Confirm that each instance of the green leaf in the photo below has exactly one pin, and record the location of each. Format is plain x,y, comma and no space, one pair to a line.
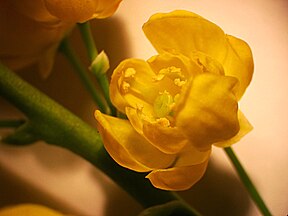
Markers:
22,136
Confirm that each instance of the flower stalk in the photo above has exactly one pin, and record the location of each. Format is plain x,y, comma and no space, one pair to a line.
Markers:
92,53
88,40
69,53
247,182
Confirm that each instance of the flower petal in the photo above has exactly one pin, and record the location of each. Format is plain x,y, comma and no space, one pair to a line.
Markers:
46,61
74,11
34,40
209,113
245,127
191,156
81,11
177,178
187,67
169,140
106,8
239,63
187,33
35,10
127,147
135,119
132,85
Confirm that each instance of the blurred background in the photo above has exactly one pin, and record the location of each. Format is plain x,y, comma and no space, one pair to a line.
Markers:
48,175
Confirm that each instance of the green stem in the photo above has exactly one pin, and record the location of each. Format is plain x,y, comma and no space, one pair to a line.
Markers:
88,40
56,125
92,52
67,50
247,182
11,123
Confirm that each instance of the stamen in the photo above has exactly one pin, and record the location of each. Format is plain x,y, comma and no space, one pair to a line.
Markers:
129,73
125,87
179,82
163,122
158,77
170,70
139,107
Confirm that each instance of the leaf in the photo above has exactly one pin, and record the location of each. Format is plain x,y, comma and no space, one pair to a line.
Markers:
22,136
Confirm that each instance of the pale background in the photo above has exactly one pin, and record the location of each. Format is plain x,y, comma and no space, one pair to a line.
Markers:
55,177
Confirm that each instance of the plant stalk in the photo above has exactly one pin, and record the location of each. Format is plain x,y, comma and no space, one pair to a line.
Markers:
247,182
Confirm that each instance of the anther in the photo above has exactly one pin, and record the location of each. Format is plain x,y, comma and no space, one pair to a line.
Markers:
129,72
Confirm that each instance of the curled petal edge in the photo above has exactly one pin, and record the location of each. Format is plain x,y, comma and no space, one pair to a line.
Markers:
177,178
245,128
169,140
127,147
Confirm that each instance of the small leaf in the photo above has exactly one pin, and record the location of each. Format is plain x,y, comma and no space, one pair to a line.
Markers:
22,136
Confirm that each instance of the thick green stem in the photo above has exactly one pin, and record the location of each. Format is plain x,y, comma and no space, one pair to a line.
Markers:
56,125
247,182
67,50
92,52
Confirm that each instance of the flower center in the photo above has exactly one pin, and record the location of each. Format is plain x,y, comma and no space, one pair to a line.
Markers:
170,79
163,104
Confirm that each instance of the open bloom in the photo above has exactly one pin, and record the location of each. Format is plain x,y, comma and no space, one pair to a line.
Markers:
31,30
180,102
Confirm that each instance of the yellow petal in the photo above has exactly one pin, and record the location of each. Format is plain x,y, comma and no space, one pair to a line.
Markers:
209,113
135,119
167,139
28,210
187,68
35,10
177,178
187,33
46,61
245,127
106,8
75,10
239,63
127,147
33,41
208,64
132,85
191,156
81,11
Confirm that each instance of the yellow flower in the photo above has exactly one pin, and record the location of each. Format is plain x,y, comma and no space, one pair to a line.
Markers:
180,102
31,30
28,210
